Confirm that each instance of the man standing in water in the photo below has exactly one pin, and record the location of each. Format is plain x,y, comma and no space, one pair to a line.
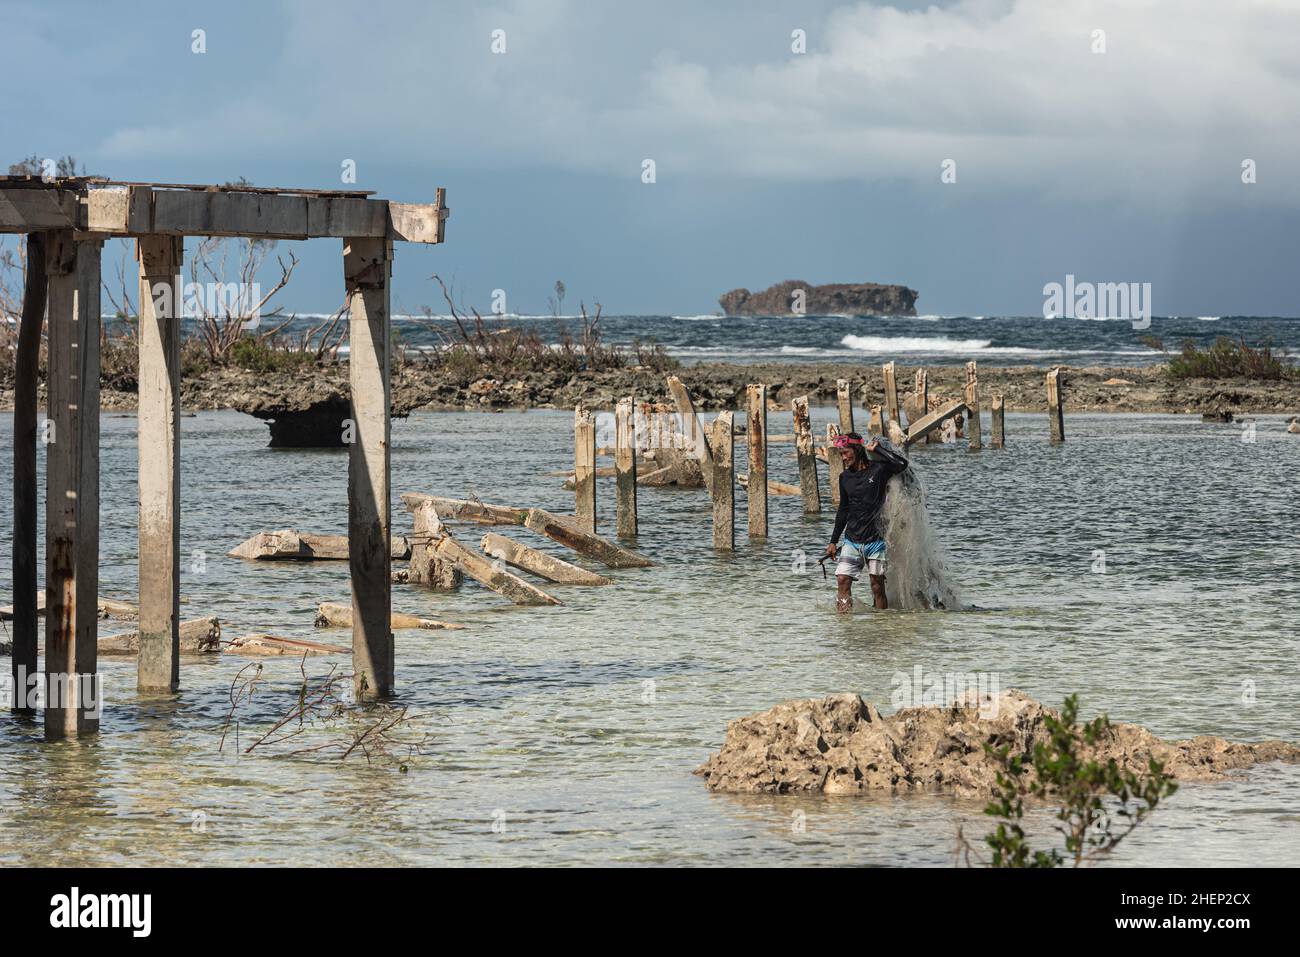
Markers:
862,497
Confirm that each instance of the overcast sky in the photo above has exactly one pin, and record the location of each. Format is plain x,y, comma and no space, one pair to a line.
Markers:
1123,165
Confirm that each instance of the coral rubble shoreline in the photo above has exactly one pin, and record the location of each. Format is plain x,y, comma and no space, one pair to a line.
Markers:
714,386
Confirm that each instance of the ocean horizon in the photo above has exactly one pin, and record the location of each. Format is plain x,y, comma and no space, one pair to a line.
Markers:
931,339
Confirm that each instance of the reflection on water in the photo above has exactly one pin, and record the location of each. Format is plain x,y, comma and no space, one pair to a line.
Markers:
575,729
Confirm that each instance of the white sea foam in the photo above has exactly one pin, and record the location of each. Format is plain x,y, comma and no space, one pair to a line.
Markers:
885,345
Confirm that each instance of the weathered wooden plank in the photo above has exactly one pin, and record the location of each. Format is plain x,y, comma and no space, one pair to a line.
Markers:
153,209
106,608
932,421
110,211
32,210
72,488
876,424
999,430
261,645
773,487
491,573
625,515
461,510
584,467
342,217
367,269
418,222
192,213
539,563
335,615
756,441
288,544
158,461
568,533
26,362
812,502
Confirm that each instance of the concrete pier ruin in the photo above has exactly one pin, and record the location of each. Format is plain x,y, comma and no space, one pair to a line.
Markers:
66,221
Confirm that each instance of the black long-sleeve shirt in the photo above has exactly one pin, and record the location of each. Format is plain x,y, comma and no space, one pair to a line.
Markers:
862,496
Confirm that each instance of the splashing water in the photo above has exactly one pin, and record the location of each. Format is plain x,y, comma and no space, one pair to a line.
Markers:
918,576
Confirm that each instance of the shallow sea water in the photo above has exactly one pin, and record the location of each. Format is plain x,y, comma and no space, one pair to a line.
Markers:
568,735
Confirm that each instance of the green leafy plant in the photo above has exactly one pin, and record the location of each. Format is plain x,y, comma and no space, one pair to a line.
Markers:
1226,359
1099,804
255,354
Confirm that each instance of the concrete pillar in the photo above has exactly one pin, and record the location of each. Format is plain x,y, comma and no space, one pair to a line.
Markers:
367,269
923,395
584,468
999,428
1055,413
23,663
891,391
625,468
807,455
756,433
973,405
834,464
723,487
159,434
844,399
72,488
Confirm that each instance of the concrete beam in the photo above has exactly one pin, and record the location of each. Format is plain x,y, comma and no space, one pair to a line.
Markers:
144,210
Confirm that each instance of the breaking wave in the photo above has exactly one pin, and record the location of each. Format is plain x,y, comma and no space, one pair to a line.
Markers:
891,345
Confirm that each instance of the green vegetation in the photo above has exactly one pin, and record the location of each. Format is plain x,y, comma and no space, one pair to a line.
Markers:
1100,804
1225,359
255,354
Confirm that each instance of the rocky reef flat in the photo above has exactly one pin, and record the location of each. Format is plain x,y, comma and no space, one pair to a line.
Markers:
313,402
722,385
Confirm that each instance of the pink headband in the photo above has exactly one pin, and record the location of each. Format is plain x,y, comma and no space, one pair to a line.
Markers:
843,442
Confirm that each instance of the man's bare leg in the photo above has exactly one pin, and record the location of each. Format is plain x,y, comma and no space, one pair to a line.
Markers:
878,591
844,596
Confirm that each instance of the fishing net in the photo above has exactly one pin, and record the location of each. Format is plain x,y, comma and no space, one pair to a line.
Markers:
917,574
